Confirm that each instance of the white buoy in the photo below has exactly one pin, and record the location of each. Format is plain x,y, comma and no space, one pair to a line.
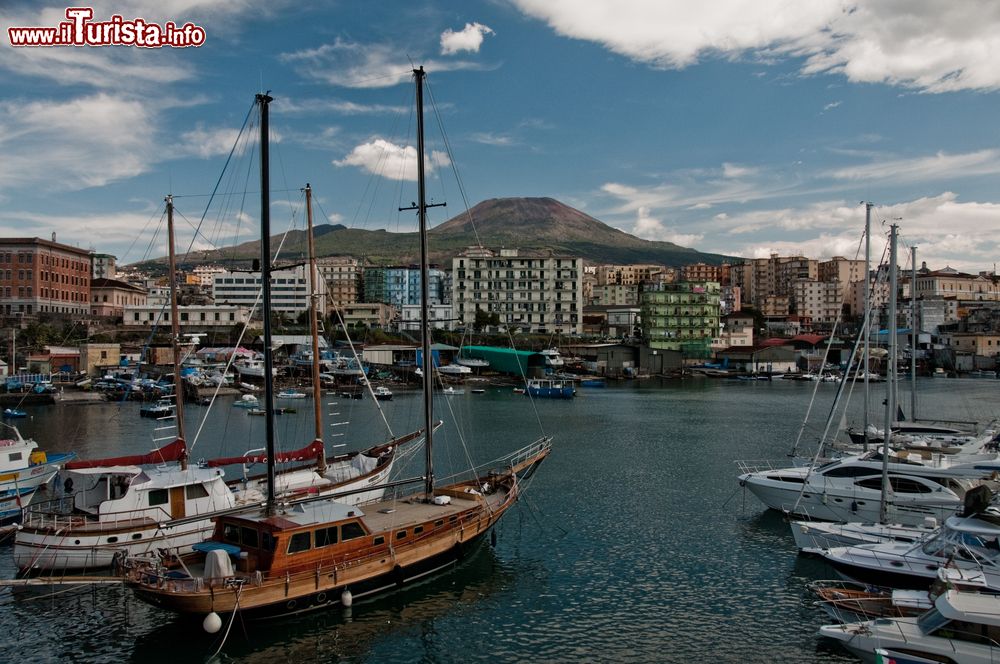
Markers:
212,623
346,598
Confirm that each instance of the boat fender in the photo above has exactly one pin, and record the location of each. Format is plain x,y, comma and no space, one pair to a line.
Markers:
854,506
823,499
743,482
212,623
346,598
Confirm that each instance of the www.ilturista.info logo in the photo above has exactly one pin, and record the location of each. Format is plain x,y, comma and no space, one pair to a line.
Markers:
80,30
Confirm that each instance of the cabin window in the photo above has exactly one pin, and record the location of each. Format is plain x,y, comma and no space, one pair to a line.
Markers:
249,537
231,533
194,491
299,542
158,497
452,519
351,530
847,471
16,456
378,540
267,542
418,530
439,522
326,536
401,534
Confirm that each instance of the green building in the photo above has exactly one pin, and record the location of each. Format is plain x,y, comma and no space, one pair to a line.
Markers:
373,285
681,316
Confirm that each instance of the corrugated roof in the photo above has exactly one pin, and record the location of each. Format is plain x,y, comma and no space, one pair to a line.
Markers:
505,360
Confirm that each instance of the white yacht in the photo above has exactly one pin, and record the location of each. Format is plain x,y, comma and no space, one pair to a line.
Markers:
962,627
552,358
850,489
813,535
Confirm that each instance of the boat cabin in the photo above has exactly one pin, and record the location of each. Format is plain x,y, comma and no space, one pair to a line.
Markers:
964,616
19,454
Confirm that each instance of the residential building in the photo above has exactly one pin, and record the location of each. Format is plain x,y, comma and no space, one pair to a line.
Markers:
818,300
402,285
95,358
440,315
368,314
534,293
344,279
952,283
631,274
373,284
682,316
701,272
624,322
842,270
205,274
290,290
109,297
614,294
193,317
763,278
103,266
43,276
730,299
987,345
878,294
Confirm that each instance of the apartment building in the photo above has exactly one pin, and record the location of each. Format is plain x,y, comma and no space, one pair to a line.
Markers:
762,278
103,266
682,316
631,275
535,293
817,300
43,276
614,294
290,290
344,279
194,317
701,272
204,275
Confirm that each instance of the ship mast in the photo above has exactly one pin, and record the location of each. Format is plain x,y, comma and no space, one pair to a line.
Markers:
425,326
314,329
175,332
890,377
265,281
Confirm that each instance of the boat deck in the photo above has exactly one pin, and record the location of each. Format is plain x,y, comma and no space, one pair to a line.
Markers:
386,515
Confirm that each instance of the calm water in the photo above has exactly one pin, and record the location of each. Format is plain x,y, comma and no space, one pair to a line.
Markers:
633,542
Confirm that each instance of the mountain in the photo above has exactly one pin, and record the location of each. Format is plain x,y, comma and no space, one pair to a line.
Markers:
531,225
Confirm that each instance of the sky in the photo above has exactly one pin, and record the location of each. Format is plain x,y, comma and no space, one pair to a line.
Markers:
737,127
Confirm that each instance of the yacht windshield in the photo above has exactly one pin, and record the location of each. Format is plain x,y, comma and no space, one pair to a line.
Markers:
931,621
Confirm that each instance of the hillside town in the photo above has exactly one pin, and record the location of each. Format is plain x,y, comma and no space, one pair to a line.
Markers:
776,314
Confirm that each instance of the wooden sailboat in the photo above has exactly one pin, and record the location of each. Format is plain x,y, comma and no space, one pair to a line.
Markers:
287,559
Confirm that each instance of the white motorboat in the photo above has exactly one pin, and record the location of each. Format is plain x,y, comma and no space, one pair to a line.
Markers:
23,470
962,627
552,358
813,535
850,489
454,370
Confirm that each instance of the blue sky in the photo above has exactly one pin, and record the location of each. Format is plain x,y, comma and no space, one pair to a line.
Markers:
733,126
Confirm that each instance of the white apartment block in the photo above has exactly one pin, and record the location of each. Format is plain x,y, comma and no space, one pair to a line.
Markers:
819,300
613,295
205,274
290,290
538,294
440,315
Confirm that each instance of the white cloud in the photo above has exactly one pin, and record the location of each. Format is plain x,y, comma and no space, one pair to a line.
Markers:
469,39
391,161
832,105
940,165
489,138
207,143
921,44
78,143
736,171
338,106
353,65
651,228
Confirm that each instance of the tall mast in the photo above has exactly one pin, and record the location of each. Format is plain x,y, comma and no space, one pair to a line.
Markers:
265,281
867,318
890,401
913,333
175,330
425,326
314,329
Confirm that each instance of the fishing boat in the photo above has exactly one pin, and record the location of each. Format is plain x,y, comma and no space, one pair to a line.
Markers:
23,470
383,393
159,408
283,560
247,401
137,505
552,358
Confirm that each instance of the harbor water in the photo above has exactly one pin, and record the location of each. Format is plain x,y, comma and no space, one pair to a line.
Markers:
633,542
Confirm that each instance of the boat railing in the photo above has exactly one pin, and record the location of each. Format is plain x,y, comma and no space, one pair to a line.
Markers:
746,466
529,452
59,513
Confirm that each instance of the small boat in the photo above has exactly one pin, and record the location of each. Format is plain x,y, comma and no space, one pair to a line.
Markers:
849,601
454,370
11,413
247,401
593,382
519,390
291,394
382,393
162,408
451,391
472,362
277,411
552,357
478,390
256,411
548,388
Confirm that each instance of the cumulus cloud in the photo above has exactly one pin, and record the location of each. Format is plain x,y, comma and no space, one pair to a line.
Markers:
919,44
736,171
650,228
470,38
391,161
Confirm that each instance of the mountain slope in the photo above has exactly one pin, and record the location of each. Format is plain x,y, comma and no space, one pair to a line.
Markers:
532,225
